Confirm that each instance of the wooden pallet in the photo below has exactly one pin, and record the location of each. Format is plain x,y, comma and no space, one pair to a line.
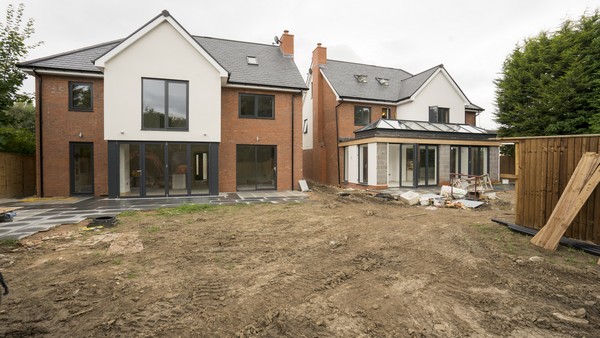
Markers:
584,180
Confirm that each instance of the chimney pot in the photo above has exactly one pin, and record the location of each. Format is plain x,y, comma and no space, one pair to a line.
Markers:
286,31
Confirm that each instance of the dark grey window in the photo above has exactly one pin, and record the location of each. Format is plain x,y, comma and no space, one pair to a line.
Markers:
257,106
362,115
164,104
439,114
80,96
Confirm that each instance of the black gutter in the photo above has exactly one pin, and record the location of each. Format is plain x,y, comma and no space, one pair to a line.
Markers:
337,142
41,147
368,99
265,85
293,96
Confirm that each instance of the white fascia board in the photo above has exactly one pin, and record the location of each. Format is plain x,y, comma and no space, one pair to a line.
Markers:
382,103
448,77
33,71
101,62
273,89
337,97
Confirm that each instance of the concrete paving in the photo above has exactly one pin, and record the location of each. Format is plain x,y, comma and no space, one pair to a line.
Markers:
42,215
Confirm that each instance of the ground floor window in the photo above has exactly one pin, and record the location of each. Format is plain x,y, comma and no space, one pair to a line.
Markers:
256,167
470,160
153,169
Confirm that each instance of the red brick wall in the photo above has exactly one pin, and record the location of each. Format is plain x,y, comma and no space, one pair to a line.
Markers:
346,128
61,126
235,130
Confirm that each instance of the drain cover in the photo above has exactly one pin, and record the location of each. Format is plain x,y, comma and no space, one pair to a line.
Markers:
106,221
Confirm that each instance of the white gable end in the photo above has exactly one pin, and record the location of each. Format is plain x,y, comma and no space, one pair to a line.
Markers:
439,91
160,53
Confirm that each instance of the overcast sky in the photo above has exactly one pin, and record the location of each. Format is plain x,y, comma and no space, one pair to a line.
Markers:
471,38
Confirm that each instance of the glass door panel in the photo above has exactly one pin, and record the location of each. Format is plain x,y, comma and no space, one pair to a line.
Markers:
130,172
265,167
82,168
199,163
246,168
408,162
394,165
154,164
256,167
178,169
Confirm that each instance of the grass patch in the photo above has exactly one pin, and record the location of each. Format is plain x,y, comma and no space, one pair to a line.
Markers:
9,243
153,229
185,209
128,213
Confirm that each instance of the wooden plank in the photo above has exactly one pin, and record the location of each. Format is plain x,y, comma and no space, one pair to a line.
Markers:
563,204
519,183
585,178
555,177
579,221
584,194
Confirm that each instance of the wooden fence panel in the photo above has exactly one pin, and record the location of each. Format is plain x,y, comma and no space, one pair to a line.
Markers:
545,166
17,175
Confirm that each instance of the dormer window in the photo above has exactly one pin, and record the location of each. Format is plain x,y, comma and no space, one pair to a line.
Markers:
382,81
361,78
252,60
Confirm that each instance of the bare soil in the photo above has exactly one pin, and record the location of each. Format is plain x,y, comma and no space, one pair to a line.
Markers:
343,266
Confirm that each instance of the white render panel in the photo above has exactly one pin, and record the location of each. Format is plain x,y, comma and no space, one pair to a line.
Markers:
307,115
441,92
353,164
162,53
372,164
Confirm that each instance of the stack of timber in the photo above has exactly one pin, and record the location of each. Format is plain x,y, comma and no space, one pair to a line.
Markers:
584,180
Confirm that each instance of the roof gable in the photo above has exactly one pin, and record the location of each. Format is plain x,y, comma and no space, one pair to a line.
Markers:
147,28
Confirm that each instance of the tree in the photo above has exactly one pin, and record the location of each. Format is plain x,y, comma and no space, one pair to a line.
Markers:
17,129
13,48
550,85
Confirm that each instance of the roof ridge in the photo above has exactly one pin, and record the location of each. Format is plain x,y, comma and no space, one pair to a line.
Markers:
365,64
24,63
231,40
441,65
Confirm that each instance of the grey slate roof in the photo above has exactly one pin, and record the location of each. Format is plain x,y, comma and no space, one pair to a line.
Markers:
402,85
79,60
341,76
274,69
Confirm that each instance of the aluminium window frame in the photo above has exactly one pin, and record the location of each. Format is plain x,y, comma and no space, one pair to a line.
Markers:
255,109
78,83
166,102
356,108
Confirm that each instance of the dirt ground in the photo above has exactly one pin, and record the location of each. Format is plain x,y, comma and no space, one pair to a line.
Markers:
333,266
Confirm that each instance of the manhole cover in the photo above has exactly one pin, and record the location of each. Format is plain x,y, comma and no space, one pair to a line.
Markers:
106,221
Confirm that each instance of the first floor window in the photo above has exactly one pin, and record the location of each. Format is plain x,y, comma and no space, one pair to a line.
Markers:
257,106
439,114
164,104
386,113
362,115
80,96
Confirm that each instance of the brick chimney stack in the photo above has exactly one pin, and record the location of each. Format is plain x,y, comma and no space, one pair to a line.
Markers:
286,43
